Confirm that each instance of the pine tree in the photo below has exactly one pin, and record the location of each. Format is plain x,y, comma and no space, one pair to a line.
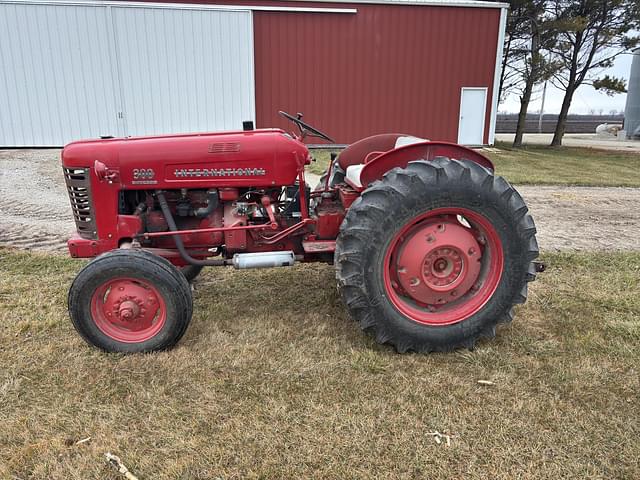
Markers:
591,34
536,65
515,48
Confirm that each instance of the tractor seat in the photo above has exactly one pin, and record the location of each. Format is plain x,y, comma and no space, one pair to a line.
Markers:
353,170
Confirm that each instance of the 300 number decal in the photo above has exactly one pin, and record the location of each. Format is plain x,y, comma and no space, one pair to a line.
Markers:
143,173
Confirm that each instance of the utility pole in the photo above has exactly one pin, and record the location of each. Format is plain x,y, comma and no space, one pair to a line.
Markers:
544,94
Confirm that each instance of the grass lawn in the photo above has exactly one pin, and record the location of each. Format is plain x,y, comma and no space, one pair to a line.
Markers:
271,382
538,164
322,158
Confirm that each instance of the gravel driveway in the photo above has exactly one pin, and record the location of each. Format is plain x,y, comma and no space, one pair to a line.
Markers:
35,212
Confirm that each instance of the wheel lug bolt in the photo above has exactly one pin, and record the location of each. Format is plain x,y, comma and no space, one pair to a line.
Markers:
414,282
454,293
472,251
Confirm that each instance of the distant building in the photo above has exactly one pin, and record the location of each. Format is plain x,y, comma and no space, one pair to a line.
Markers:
632,108
76,70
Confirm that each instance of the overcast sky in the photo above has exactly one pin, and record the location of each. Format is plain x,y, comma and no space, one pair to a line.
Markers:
585,100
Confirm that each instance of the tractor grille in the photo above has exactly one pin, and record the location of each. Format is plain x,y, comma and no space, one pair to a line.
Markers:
79,188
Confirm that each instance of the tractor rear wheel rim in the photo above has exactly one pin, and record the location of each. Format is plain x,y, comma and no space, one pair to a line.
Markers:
128,310
443,266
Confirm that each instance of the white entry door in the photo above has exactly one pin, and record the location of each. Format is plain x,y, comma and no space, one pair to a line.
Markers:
473,108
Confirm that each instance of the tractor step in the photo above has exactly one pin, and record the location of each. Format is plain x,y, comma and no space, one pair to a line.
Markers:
319,246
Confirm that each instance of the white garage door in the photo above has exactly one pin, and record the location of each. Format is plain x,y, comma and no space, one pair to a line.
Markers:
81,71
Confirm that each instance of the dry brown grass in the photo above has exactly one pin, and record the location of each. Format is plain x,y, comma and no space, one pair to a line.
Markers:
274,381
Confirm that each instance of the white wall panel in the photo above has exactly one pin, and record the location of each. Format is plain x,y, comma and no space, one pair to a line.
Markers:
73,71
56,80
185,70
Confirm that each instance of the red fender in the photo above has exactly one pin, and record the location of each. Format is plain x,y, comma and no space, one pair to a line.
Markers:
400,157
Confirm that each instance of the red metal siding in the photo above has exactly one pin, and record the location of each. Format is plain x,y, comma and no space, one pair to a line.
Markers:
384,69
387,68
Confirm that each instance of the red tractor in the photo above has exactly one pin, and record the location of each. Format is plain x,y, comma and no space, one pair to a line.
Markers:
431,249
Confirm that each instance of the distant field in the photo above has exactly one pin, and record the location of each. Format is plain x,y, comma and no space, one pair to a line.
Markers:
507,123
566,166
273,380
541,165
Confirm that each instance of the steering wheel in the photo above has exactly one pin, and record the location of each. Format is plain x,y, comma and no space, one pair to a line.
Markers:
305,128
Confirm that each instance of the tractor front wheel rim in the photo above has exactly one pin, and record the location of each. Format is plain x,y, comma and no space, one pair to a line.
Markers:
443,266
128,310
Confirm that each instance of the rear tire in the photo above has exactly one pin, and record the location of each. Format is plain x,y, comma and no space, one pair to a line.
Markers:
190,272
130,301
416,276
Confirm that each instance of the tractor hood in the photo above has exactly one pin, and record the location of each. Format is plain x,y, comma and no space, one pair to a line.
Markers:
244,158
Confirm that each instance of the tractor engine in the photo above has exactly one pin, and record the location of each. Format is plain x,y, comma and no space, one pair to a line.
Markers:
199,211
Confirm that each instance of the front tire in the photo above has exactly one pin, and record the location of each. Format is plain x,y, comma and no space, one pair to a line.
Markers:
433,256
130,301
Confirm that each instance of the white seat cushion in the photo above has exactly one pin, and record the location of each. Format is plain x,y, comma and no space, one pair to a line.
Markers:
402,141
352,176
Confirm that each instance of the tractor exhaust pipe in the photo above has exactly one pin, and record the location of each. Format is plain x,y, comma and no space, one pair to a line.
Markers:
263,260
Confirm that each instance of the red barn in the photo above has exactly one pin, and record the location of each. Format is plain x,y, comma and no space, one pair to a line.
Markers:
426,67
